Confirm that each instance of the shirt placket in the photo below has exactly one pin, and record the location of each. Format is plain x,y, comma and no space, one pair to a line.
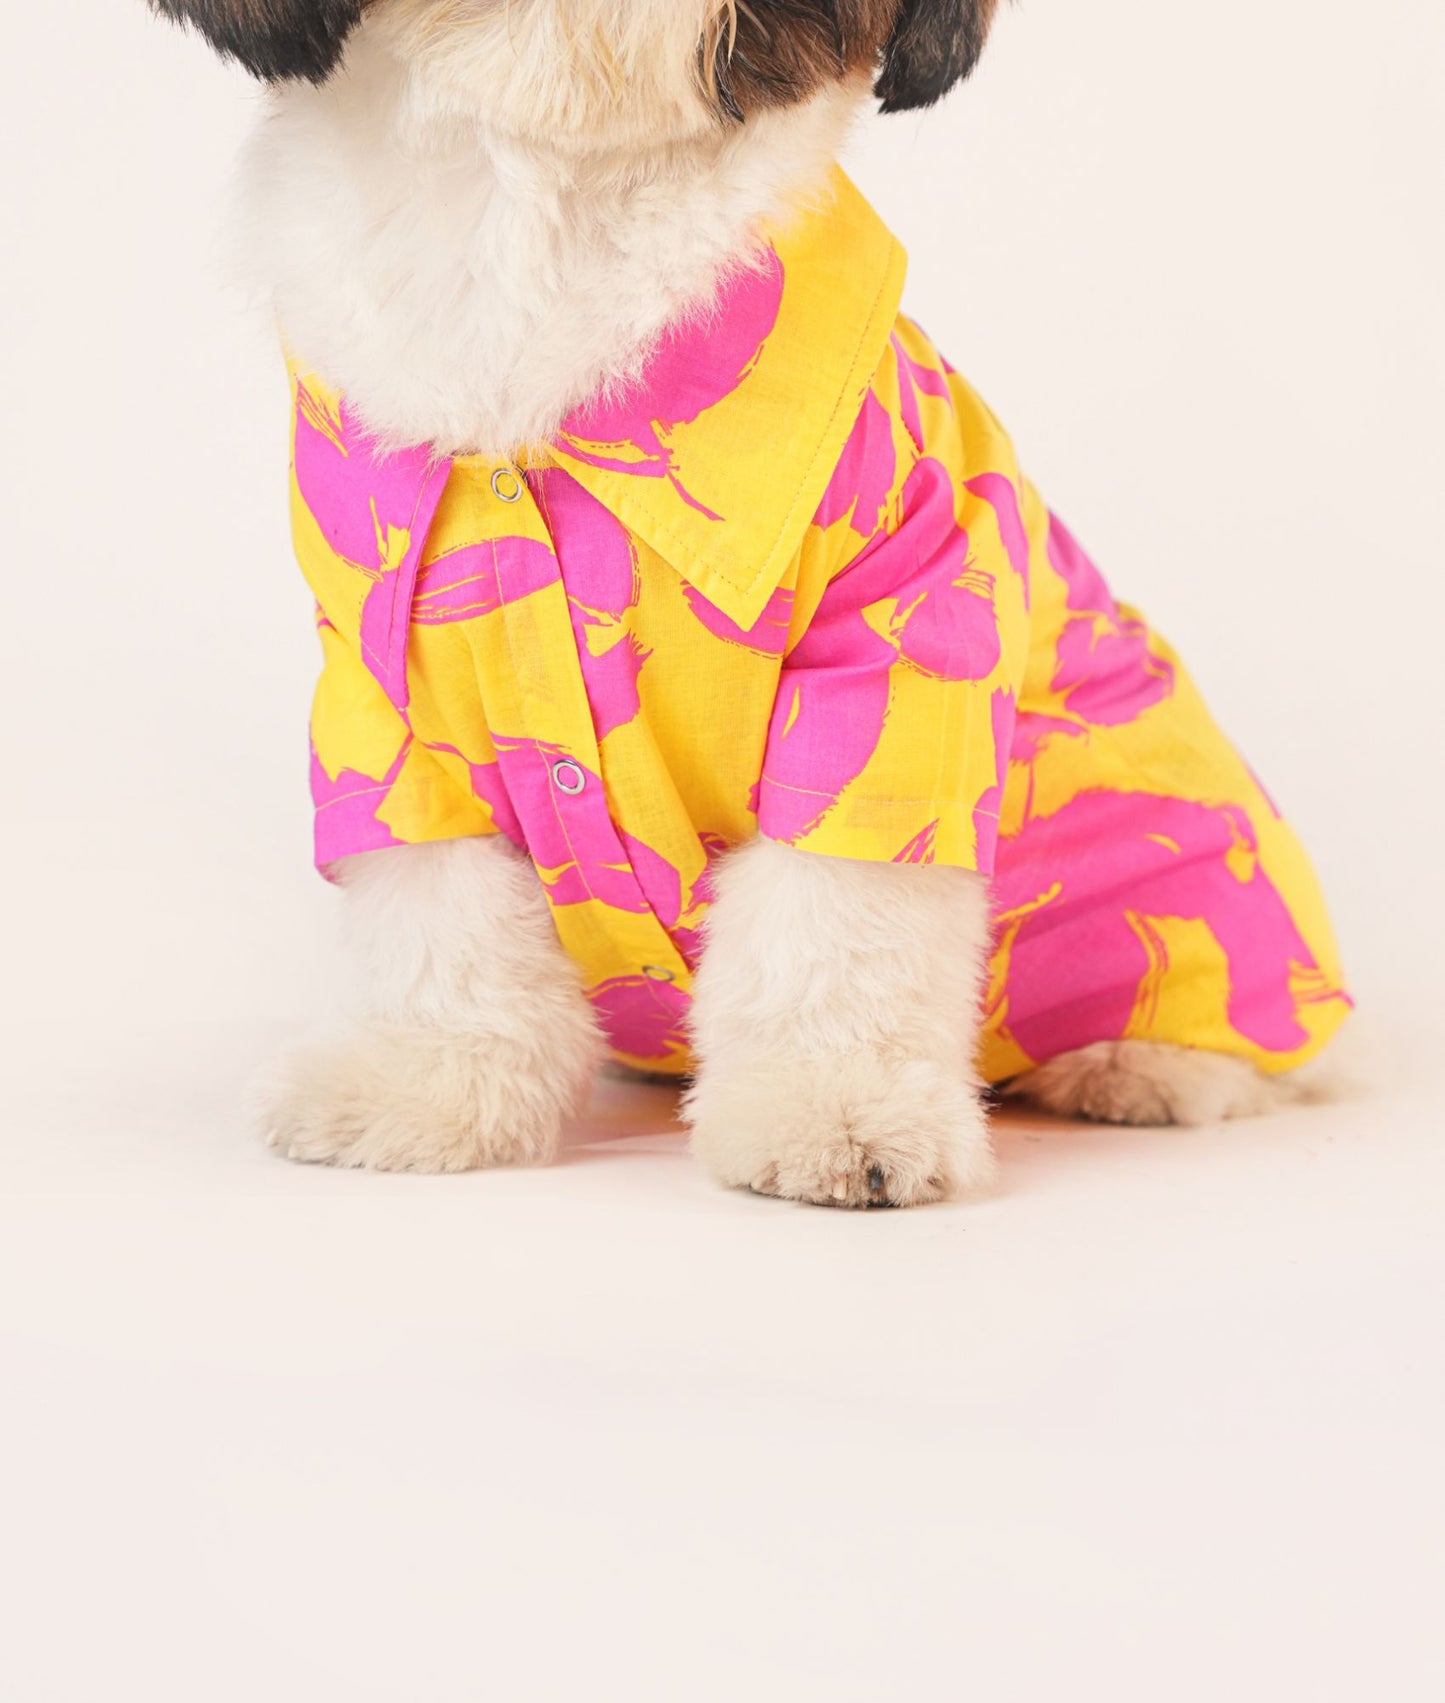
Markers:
536,702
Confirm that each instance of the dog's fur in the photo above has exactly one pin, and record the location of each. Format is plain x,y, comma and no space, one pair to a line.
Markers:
471,215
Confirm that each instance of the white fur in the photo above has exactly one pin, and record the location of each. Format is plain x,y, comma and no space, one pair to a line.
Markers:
475,1042
466,278
835,1020
486,218
1145,1082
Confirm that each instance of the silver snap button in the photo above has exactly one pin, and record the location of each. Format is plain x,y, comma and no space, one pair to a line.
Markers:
568,777
658,973
507,486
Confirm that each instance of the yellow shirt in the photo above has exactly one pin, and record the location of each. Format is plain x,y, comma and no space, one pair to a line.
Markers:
795,583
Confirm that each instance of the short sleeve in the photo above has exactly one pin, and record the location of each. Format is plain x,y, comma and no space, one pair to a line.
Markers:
896,704
360,522
373,783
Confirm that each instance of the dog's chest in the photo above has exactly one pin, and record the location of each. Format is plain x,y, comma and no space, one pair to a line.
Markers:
463,296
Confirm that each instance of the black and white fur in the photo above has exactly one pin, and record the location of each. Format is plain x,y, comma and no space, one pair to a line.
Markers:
470,216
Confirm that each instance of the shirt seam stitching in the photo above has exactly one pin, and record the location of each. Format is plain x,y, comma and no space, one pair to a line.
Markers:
880,798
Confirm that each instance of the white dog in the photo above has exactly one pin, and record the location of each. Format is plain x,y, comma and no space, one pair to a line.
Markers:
704,681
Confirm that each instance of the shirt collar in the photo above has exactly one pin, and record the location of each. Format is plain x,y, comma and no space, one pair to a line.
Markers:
720,454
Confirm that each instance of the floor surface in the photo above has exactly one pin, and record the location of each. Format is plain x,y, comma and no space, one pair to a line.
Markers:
1161,1418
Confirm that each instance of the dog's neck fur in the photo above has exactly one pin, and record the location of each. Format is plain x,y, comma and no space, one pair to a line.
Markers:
468,290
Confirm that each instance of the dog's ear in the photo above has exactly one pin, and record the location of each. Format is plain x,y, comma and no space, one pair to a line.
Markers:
274,39
934,44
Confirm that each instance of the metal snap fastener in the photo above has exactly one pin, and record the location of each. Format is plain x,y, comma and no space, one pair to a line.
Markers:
658,973
568,777
507,486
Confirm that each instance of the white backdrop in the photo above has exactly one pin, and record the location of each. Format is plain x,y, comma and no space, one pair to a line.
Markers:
1193,257
1159,1418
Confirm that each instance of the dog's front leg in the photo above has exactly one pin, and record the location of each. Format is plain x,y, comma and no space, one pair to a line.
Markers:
474,1042
835,1020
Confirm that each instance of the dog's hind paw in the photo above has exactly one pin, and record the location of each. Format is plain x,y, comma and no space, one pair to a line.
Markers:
1148,1083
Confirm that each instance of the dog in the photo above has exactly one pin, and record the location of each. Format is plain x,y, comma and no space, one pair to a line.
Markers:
705,685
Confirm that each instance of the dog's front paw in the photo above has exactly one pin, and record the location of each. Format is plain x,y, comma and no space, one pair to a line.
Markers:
859,1131
388,1098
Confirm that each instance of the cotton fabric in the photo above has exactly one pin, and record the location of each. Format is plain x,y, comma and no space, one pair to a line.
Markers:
794,582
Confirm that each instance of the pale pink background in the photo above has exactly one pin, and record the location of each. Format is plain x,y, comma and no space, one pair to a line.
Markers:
1161,1419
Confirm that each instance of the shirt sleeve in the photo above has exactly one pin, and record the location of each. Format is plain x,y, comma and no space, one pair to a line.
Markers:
381,775
373,783
896,705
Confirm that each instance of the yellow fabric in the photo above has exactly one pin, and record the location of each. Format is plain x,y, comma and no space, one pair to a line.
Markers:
818,597
756,463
